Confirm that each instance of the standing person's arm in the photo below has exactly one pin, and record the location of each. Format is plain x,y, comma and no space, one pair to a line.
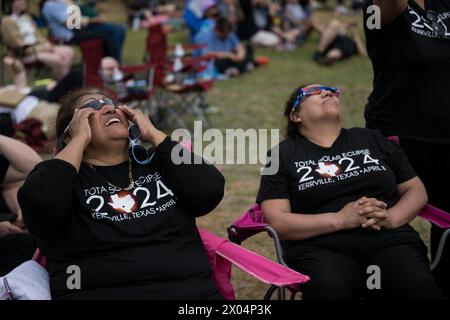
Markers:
21,158
390,9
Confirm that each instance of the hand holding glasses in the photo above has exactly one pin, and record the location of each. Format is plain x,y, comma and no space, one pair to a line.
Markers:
137,151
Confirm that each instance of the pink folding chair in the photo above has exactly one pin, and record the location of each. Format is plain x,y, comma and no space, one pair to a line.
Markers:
250,224
441,219
222,253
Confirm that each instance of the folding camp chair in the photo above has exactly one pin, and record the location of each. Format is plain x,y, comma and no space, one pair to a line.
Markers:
252,223
92,53
182,99
138,94
135,89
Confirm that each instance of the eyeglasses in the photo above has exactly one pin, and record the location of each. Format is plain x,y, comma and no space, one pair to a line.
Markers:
96,105
138,151
302,94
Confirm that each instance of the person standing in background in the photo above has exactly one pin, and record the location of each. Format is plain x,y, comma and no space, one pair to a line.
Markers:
410,55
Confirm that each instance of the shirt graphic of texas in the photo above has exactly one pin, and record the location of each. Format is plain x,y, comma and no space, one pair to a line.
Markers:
123,204
327,170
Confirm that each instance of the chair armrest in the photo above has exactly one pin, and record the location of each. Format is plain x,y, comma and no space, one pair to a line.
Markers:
256,265
436,216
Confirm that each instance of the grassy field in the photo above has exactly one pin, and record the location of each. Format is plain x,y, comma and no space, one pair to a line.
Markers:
256,100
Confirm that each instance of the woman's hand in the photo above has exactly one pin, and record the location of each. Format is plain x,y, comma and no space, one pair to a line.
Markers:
79,127
374,210
365,212
148,131
350,216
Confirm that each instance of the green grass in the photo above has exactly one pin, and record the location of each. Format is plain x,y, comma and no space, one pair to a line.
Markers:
256,100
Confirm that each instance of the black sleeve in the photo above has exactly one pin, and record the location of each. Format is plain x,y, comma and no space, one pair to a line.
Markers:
4,165
274,186
198,185
46,197
395,158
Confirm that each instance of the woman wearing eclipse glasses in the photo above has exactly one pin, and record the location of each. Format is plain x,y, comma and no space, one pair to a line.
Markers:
124,215
341,202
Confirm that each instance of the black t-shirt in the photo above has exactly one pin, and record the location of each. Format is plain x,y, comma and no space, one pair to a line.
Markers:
411,66
315,179
136,244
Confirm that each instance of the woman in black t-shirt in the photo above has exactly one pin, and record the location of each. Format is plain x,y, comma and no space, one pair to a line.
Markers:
114,220
410,54
341,201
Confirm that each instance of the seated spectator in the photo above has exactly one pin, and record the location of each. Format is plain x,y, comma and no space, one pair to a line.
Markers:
231,56
56,12
296,24
341,201
24,41
339,41
123,214
16,244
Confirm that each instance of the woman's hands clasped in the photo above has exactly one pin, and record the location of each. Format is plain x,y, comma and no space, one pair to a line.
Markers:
369,213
